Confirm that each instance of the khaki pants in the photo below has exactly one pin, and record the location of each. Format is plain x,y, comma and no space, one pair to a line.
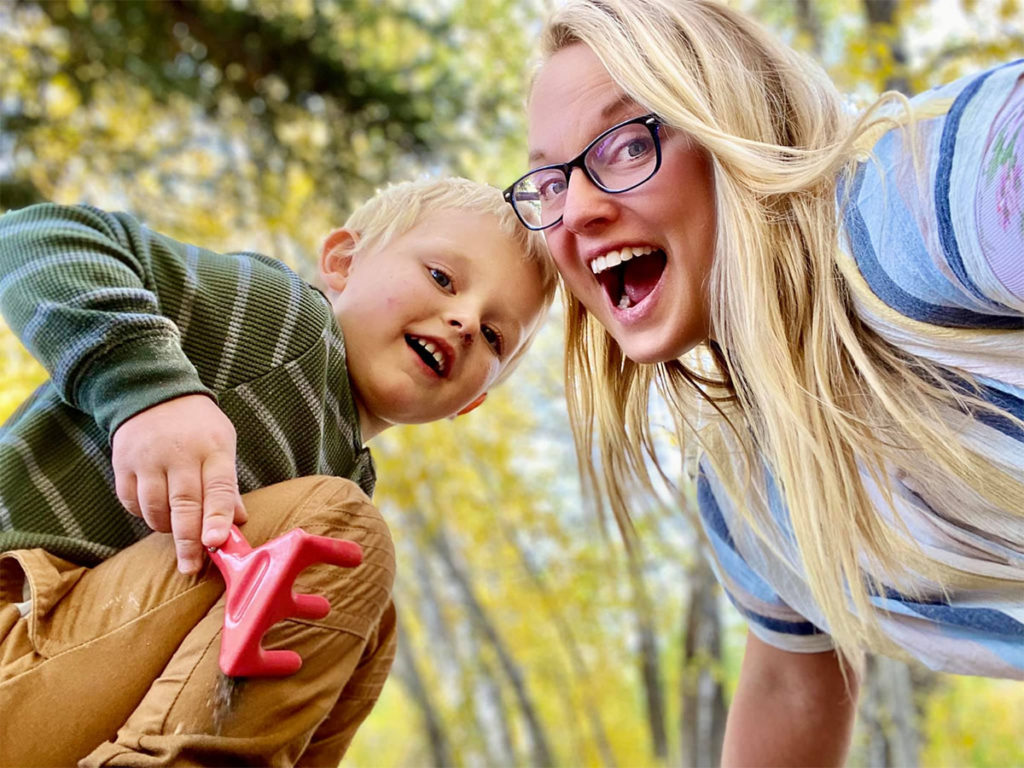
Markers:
117,664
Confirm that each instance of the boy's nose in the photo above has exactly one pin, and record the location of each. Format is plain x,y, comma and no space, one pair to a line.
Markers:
463,329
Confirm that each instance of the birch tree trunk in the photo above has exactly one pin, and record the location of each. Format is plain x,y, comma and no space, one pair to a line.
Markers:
489,708
703,699
541,752
883,26
571,645
810,24
887,714
409,674
650,666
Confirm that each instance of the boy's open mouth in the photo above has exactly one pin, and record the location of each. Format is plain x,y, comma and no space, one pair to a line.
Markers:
430,353
629,274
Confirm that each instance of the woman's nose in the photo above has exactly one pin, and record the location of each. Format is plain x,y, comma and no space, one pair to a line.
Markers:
586,204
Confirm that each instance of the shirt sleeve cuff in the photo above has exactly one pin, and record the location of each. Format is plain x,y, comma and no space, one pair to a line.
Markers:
818,642
129,378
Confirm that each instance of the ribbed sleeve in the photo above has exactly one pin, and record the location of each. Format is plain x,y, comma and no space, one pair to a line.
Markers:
83,299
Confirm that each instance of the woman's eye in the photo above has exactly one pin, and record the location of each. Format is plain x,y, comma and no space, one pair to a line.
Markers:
440,278
638,147
492,337
634,149
552,187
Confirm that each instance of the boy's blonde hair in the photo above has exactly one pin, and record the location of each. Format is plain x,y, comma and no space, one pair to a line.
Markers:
793,377
399,207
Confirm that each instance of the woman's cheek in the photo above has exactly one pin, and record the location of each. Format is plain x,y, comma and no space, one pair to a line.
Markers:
560,251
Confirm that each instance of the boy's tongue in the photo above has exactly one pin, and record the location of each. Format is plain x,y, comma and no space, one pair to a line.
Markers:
641,275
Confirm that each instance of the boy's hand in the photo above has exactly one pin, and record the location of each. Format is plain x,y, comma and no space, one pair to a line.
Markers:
174,466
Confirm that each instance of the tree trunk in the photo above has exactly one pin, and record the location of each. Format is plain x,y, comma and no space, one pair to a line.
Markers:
809,21
650,667
883,27
489,708
887,714
703,699
568,637
542,755
409,674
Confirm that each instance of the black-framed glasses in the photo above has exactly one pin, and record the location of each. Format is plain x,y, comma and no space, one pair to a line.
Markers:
620,159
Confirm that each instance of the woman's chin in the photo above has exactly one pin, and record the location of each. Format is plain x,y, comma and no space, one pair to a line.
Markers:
647,351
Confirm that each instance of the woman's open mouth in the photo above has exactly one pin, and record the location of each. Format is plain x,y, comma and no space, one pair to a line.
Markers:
629,274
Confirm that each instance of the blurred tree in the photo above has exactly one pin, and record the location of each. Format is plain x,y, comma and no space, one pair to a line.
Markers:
253,115
258,124
703,694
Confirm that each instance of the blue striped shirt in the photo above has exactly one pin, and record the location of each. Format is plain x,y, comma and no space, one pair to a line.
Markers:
939,273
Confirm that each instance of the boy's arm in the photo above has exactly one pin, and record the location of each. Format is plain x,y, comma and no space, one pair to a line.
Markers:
790,709
80,289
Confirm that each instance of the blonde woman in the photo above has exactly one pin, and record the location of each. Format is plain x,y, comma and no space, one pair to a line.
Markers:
833,309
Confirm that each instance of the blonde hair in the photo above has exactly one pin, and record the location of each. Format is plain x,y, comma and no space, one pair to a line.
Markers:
794,377
399,207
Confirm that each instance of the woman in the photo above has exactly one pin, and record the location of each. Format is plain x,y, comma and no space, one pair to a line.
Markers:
833,309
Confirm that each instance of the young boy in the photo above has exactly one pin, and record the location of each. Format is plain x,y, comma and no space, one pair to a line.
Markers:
193,390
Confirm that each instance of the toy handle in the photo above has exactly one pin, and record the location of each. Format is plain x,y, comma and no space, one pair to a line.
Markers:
258,594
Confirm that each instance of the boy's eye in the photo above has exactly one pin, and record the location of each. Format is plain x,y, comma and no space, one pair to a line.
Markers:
492,337
441,278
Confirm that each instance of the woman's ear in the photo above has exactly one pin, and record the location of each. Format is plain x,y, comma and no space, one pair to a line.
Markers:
336,258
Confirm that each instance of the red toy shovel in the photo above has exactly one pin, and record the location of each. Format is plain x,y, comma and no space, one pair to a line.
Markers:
259,594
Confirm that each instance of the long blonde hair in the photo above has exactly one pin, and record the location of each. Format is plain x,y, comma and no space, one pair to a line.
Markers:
794,377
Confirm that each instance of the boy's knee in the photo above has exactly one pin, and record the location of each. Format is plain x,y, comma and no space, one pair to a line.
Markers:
335,507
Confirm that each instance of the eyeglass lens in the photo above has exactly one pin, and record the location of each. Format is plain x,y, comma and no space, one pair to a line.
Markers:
619,160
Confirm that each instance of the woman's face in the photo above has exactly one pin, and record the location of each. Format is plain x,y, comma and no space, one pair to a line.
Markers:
655,302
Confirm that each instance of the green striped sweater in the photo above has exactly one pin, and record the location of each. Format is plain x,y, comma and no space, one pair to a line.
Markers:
123,318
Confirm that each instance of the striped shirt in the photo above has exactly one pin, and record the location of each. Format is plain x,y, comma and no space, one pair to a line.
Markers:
123,318
936,265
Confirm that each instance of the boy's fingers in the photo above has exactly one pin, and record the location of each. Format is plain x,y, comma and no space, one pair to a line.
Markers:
151,490
125,486
240,514
185,494
220,499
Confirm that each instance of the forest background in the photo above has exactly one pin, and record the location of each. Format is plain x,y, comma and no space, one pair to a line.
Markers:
528,638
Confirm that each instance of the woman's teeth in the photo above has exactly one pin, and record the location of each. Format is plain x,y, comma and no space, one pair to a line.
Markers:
630,274
614,258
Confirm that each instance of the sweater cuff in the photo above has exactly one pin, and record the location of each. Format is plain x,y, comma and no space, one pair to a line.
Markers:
131,377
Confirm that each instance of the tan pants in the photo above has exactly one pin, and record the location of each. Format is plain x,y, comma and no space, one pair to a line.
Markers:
117,664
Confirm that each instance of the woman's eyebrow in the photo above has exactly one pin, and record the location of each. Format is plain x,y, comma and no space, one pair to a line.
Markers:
614,108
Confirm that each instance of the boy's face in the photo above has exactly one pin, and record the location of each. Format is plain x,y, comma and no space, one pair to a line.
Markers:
431,318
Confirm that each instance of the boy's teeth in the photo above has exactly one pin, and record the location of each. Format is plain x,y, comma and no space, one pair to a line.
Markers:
624,302
434,351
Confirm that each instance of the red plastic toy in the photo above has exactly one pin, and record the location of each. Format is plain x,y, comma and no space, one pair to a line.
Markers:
259,594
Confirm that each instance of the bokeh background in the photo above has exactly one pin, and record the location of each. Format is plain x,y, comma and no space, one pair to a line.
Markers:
528,637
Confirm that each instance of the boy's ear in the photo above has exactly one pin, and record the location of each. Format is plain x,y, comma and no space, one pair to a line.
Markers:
336,258
476,403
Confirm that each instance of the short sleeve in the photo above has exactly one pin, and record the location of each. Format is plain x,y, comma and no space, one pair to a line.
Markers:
999,201
909,211
769,616
977,190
